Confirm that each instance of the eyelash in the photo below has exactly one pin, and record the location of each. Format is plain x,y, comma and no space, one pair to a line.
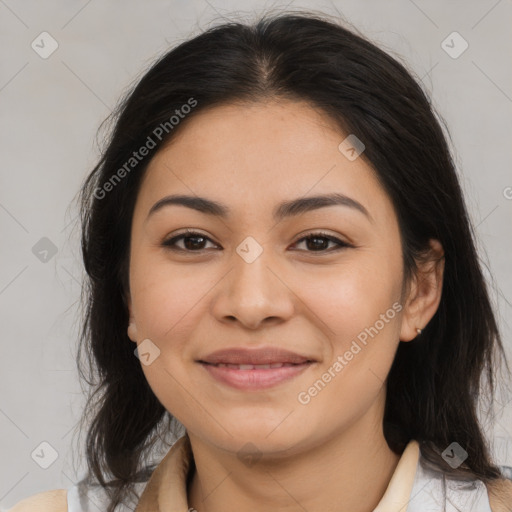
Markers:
170,244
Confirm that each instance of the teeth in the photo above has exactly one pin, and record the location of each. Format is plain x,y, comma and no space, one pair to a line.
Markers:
253,366
245,366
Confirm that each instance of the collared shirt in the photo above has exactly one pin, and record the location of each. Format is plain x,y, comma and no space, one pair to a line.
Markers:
415,486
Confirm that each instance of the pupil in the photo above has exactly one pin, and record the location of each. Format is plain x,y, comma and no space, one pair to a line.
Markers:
192,245
316,239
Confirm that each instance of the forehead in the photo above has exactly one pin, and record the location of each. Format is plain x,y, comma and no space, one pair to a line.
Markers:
252,156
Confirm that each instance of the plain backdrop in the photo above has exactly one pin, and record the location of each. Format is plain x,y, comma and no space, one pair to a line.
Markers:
52,107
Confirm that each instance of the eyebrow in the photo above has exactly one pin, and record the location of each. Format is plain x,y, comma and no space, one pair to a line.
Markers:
285,209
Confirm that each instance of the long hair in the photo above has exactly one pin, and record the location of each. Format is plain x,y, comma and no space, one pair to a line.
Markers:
434,385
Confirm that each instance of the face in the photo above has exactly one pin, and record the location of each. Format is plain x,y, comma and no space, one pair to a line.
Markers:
322,282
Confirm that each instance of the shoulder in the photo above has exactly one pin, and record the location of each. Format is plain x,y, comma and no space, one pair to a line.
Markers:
500,495
47,501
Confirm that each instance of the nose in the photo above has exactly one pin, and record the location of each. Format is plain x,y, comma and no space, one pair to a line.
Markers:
254,294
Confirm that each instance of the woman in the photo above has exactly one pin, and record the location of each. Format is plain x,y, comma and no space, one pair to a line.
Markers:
276,227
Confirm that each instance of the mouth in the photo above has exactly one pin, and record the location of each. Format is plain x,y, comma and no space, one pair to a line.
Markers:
255,356
256,369
253,366
250,377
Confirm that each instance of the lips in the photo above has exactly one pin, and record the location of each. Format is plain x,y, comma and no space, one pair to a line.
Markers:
253,366
247,358
255,369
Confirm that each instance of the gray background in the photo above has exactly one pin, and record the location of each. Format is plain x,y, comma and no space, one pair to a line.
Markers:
51,109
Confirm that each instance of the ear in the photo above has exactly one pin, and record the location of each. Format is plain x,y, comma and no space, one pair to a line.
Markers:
424,292
132,328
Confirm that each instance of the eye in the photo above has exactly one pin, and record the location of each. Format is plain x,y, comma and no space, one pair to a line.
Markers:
193,242
319,242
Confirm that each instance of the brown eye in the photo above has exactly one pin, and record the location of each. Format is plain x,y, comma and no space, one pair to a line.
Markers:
192,242
318,242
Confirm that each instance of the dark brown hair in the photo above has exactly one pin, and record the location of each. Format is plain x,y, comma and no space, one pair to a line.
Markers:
434,384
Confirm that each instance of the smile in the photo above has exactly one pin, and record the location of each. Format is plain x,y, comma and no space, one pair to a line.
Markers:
251,377
253,366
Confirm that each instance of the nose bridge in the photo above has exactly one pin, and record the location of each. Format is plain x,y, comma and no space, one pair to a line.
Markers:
252,292
250,277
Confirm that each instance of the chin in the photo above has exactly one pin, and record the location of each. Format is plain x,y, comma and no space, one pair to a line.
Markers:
262,439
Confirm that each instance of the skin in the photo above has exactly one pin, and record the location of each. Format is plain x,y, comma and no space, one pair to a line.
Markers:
314,301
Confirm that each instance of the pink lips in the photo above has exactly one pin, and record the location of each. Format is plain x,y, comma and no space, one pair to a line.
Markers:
254,369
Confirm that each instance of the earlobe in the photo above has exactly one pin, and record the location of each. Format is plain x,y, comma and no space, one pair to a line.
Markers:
132,328
132,331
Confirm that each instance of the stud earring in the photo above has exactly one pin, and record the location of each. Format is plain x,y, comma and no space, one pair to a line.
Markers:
418,330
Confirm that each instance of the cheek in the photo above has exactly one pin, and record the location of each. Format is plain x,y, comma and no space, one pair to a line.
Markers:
360,316
166,298
168,303
351,297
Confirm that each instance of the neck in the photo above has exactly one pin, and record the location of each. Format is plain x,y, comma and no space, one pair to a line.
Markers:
352,468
